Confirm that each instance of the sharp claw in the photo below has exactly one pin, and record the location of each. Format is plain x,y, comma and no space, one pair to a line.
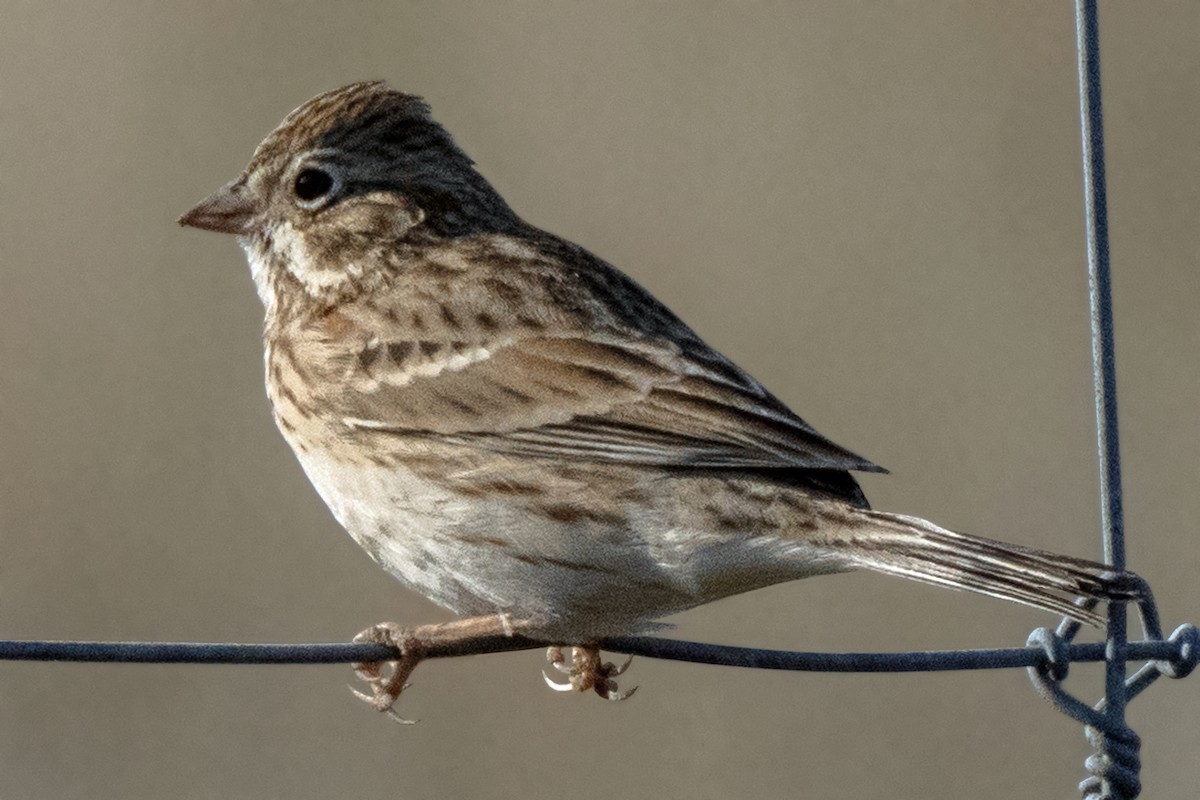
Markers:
558,687
366,698
586,671
610,693
613,669
367,672
382,700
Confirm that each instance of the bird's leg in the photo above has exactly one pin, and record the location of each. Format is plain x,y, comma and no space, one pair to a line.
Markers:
388,679
587,671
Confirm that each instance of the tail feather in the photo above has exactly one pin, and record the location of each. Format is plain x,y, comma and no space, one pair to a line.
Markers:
914,548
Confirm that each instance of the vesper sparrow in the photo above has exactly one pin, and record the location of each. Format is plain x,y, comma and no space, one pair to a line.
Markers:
517,430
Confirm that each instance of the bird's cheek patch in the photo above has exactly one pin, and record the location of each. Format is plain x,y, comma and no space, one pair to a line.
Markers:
309,264
386,215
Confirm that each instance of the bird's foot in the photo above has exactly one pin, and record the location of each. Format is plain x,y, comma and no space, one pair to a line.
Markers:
586,671
388,678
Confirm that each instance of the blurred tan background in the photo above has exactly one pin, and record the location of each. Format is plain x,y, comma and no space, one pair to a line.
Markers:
875,208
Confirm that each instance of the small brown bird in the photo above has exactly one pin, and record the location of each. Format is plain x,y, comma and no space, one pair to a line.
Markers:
514,428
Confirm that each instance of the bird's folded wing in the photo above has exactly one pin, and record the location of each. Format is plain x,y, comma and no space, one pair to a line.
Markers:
596,397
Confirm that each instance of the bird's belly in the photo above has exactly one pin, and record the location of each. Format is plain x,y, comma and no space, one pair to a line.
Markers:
486,555
569,565
401,520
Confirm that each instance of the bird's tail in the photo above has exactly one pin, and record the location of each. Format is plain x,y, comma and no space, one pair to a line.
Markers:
914,548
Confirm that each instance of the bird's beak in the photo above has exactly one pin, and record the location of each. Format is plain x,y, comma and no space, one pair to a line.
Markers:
231,209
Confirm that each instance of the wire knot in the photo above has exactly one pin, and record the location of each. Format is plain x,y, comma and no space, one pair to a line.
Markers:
1058,656
1188,638
1115,765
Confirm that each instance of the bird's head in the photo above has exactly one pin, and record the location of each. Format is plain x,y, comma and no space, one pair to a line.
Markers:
343,180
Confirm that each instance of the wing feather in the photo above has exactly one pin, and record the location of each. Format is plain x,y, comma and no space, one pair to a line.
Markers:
596,397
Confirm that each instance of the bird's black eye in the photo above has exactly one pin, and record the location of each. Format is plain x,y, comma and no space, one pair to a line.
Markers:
312,184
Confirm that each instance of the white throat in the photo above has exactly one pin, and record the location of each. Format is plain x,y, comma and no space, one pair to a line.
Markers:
288,247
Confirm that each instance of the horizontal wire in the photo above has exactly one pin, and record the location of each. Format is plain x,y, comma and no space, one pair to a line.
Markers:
670,649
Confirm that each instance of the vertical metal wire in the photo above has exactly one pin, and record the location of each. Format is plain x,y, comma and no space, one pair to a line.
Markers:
1103,358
